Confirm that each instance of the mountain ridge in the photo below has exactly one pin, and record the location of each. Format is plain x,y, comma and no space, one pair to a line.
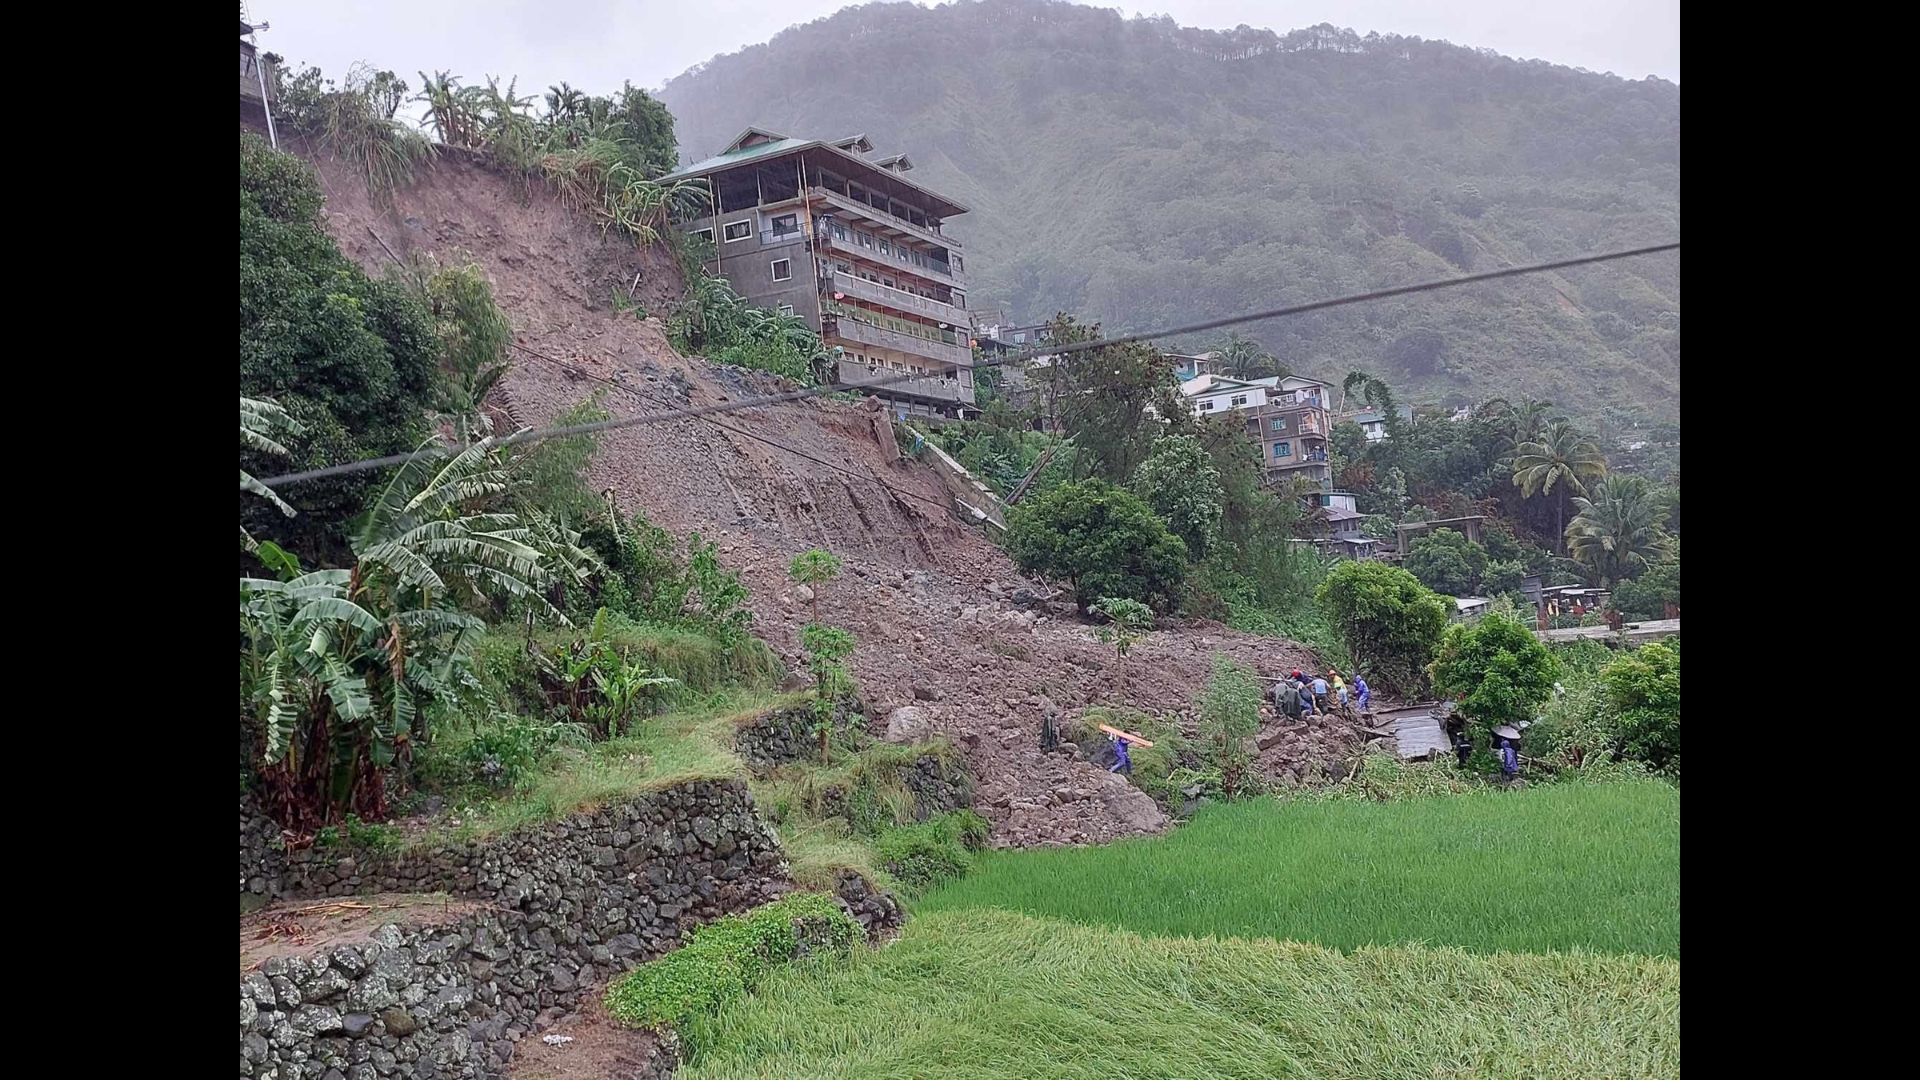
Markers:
1144,174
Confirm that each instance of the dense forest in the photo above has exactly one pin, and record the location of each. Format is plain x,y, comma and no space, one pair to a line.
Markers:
1142,174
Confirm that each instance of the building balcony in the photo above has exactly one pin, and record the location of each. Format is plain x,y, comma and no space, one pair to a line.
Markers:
853,330
250,75
883,219
928,268
899,300
929,388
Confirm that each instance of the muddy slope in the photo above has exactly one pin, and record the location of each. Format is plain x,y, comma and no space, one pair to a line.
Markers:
926,595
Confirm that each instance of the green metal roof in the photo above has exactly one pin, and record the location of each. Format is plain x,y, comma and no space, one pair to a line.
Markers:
773,149
725,161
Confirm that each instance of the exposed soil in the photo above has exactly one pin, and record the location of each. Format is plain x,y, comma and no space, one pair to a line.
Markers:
928,598
298,928
594,1048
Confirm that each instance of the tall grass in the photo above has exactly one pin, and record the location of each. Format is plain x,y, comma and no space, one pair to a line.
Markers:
971,995
1572,866
676,748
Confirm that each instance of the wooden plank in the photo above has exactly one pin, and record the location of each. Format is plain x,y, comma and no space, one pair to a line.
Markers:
1127,735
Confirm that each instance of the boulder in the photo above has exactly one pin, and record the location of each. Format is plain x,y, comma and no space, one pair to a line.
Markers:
908,724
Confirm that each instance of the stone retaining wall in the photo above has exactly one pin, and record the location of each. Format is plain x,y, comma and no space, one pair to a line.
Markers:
573,903
426,1001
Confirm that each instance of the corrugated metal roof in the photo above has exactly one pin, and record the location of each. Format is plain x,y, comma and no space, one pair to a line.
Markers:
728,160
788,145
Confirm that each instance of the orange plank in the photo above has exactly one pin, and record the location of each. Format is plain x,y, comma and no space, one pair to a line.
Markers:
1127,735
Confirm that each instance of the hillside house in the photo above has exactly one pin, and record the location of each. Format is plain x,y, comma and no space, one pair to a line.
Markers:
1192,367
1286,417
257,79
824,230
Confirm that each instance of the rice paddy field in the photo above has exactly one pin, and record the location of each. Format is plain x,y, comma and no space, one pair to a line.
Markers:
1568,866
1497,934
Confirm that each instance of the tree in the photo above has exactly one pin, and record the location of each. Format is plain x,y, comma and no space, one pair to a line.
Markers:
1497,668
814,568
1182,484
1643,691
1229,719
340,663
1648,596
1101,540
1447,562
1110,398
1376,394
1127,622
259,422
827,648
1559,465
350,359
1245,358
1616,534
1390,621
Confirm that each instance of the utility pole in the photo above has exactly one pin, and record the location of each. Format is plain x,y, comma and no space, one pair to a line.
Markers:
260,73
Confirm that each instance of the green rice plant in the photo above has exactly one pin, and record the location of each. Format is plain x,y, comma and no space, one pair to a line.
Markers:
1551,868
725,959
973,995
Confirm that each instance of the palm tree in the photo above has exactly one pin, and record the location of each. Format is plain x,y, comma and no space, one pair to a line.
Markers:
1244,358
1617,533
1562,459
259,422
1517,422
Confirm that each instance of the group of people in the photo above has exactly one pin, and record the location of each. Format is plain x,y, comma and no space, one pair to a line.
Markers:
1300,695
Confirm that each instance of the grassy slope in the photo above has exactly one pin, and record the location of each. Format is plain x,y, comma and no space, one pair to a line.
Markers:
1565,867
995,994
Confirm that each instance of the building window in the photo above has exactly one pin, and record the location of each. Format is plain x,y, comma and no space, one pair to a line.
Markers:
786,309
1207,405
885,248
1239,400
1279,423
1281,450
782,269
839,233
863,239
737,230
958,265
705,234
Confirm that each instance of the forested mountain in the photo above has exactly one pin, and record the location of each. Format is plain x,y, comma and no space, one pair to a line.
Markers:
1143,174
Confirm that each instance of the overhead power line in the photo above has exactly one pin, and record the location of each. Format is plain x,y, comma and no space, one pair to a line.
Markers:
692,412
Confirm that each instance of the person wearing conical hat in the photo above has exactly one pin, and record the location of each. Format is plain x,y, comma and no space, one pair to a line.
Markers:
1509,738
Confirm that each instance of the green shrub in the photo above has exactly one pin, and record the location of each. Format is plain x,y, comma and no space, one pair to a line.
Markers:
1497,667
1099,539
1229,719
1390,622
1643,691
935,851
726,959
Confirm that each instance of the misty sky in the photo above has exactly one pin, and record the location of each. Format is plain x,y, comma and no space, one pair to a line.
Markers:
596,44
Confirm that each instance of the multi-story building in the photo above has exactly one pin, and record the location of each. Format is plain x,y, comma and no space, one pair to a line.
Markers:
1287,418
826,231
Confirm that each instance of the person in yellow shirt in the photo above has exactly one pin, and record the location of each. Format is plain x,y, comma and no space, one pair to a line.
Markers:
1339,691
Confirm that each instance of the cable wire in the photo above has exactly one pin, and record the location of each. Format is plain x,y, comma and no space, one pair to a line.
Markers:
694,412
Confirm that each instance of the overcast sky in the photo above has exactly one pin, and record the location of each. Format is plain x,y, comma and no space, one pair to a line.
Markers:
596,44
